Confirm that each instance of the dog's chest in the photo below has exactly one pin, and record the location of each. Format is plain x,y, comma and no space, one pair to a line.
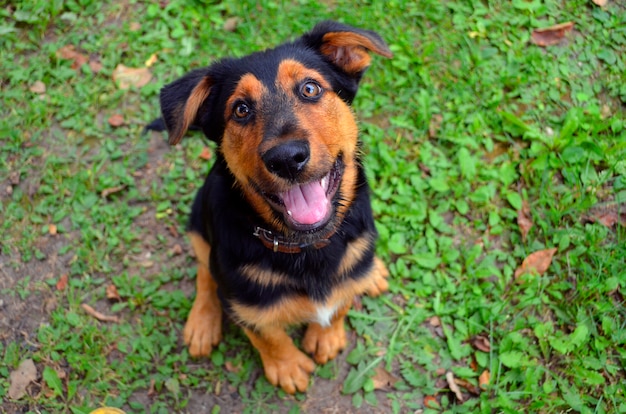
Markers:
325,313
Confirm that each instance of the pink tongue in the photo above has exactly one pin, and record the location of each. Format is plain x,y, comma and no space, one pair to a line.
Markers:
307,203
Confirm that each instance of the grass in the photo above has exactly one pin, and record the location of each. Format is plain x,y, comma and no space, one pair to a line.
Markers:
467,124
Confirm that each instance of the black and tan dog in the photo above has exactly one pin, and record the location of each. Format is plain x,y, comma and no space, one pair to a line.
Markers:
282,227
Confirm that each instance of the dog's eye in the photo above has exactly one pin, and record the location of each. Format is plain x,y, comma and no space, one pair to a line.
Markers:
310,89
242,110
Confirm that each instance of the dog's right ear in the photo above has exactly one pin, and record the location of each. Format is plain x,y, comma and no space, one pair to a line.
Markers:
181,101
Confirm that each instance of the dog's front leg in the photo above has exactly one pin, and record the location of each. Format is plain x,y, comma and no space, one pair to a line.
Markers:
325,342
203,329
284,364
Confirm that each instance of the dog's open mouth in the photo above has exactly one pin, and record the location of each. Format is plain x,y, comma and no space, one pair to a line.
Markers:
309,206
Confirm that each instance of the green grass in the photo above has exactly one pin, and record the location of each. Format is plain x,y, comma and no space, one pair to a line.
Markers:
467,122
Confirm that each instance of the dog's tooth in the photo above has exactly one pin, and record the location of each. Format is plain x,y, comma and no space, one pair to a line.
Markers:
289,212
324,183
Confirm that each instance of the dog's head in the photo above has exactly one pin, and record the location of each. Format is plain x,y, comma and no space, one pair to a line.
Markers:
283,123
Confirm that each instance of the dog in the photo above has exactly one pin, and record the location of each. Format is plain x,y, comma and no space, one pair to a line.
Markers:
282,227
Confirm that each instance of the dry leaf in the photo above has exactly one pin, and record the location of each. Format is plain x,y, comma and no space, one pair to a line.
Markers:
206,153
434,125
600,3
608,214
552,35
471,388
38,87
230,25
112,293
176,250
52,229
431,402
151,388
537,262
14,178
95,66
19,379
524,219
108,191
116,120
62,282
483,379
434,321
173,231
134,26
383,379
151,60
453,387
481,343
126,77
69,52
99,316
230,367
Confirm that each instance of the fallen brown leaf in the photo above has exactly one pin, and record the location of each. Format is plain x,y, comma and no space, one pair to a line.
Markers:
176,250
52,229
454,387
434,321
383,379
126,77
95,66
116,120
552,35
431,402
434,125
471,388
112,294
62,282
600,3
230,25
481,343
108,191
206,153
230,367
69,52
524,219
483,379
173,231
151,388
38,87
537,262
99,316
608,214
14,178
19,379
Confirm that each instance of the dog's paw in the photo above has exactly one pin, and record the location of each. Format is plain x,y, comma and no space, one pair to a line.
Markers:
324,343
203,329
379,279
291,372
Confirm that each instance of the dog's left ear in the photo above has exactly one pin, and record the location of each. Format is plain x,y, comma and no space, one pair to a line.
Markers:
346,47
181,101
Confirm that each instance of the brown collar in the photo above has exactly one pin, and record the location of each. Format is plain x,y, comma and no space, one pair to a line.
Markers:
278,243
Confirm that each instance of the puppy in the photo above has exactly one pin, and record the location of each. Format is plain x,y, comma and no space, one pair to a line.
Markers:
282,227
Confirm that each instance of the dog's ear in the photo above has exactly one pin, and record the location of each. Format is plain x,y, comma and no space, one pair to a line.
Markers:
346,47
181,101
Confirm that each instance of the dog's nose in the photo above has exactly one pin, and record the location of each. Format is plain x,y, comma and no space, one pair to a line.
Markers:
287,160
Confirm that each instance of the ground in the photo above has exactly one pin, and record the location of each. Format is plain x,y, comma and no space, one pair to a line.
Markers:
495,143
